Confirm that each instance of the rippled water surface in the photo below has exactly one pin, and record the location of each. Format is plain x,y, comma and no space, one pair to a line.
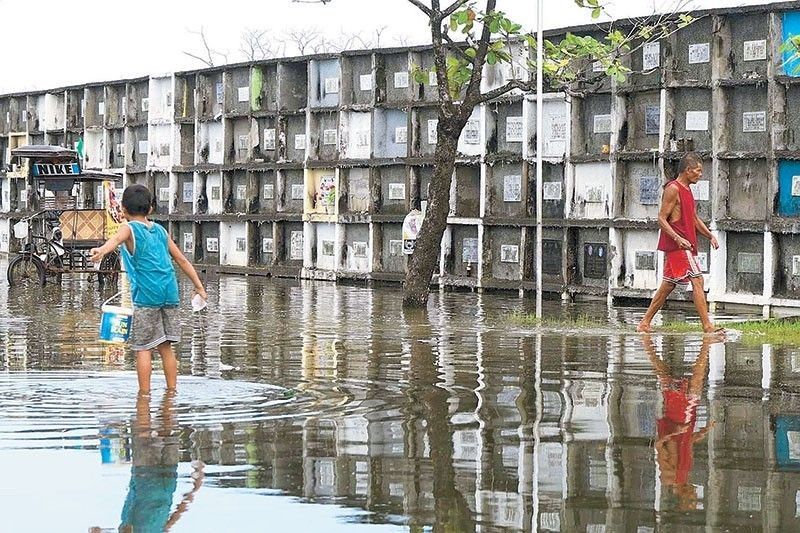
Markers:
310,407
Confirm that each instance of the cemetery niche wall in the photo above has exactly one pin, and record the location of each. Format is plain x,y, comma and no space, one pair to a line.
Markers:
306,166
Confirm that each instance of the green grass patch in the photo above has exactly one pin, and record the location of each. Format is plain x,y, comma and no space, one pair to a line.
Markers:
778,331
771,331
577,322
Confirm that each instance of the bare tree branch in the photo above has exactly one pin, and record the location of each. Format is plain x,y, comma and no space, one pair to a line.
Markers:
207,57
202,60
453,8
454,46
422,7
345,41
363,43
323,45
255,45
401,40
378,34
474,85
507,88
440,61
302,39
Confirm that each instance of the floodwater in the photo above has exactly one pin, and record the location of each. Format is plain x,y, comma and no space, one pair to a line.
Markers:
311,407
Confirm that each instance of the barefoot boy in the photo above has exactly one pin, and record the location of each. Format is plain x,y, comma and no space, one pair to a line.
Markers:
678,240
148,253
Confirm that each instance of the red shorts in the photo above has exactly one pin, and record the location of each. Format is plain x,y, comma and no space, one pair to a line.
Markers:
679,266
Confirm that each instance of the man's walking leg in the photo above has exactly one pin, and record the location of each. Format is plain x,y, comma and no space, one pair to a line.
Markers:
699,297
659,298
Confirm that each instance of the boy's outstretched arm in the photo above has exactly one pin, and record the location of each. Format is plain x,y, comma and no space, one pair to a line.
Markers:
123,235
187,268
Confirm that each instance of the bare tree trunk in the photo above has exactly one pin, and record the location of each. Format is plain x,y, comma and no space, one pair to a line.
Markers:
425,258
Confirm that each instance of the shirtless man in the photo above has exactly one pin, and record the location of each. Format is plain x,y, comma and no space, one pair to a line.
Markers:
678,240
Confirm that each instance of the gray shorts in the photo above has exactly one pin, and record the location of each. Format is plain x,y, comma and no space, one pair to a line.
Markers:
153,326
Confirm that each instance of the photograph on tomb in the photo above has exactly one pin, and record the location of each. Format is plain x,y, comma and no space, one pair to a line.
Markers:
395,247
297,191
749,263
551,190
329,137
754,121
188,192
602,124
365,82
652,119
188,243
755,50
512,188
645,260
241,192
651,55
269,139
397,191
697,121
359,249
472,132
433,124
514,127
699,53
469,250
649,190
296,246
509,253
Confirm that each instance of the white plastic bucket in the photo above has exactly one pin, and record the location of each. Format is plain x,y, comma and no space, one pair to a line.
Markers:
116,322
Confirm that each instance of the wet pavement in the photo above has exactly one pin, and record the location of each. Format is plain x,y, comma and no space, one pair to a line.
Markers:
311,407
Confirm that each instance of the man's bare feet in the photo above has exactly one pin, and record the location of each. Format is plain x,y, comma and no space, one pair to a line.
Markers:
644,328
711,328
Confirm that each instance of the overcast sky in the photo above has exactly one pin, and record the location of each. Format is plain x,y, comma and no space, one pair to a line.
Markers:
51,43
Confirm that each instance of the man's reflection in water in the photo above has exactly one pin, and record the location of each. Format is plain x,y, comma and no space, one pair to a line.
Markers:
676,428
155,447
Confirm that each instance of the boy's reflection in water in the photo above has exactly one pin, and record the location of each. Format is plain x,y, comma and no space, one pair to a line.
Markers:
155,447
676,435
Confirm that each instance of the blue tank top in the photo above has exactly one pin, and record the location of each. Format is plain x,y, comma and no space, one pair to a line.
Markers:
149,268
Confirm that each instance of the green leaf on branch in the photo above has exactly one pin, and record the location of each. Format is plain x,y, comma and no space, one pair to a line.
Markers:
596,12
615,37
470,53
420,76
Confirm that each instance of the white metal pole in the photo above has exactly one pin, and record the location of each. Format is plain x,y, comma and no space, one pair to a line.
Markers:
539,149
